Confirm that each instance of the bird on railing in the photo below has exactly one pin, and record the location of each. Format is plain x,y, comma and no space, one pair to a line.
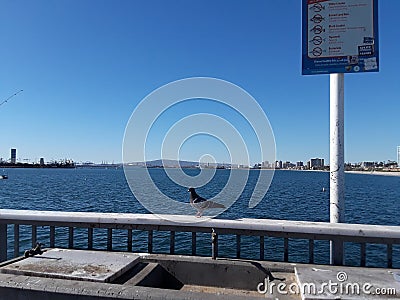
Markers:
201,204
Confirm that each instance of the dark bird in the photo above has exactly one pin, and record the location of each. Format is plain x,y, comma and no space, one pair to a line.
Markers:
201,204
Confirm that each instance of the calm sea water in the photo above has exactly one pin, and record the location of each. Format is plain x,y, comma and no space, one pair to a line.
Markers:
293,195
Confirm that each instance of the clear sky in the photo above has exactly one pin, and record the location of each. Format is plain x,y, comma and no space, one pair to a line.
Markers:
85,65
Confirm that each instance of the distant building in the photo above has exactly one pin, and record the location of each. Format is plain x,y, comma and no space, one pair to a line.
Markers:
299,164
316,163
278,164
13,155
42,161
398,156
367,164
288,165
266,165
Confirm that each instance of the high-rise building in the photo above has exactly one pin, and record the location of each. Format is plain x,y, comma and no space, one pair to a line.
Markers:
13,155
316,163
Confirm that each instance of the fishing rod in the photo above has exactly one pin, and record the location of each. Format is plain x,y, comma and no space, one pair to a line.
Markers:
15,94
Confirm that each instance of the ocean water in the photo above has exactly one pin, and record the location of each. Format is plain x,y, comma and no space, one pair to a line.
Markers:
293,195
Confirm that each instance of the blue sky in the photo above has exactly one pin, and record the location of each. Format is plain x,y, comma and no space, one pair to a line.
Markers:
85,65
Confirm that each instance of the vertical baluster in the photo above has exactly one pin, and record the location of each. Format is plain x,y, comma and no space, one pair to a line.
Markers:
262,247
109,239
52,236
363,254
90,238
34,236
390,255
194,246
3,242
172,243
129,240
310,251
70,237
286,250
16,240
214,245
238,240
150,241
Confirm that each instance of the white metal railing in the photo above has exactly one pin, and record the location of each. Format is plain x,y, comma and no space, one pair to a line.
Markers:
311,231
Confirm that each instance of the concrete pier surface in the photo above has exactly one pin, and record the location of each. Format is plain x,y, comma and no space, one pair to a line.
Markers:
89,275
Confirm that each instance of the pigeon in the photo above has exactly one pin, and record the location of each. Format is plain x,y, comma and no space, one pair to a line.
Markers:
200,204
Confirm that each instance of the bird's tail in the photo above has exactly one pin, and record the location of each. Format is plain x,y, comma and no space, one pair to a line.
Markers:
212,204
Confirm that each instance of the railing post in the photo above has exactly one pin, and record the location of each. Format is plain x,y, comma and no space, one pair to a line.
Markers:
311,251
214,244
285,249
362,254
70,237
109,239
90,238
52,236
129,240
389,255
3,242
172,243
238,240
194,246
34,236
16,240
262,247
150,241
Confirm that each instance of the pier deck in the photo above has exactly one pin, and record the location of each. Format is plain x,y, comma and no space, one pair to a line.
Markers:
61,273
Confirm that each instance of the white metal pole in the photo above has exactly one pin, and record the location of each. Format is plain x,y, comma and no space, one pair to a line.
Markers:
336,161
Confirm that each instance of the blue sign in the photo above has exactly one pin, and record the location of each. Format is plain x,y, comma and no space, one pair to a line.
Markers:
340,36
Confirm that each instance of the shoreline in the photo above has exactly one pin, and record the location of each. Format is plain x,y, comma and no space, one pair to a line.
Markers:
380,173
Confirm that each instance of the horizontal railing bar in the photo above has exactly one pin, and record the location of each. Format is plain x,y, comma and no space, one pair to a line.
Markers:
180,223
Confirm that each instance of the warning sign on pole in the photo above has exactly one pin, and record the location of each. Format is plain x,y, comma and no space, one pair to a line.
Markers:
340,36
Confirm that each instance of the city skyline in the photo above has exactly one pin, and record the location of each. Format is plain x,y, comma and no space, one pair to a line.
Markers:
84,68
279,164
